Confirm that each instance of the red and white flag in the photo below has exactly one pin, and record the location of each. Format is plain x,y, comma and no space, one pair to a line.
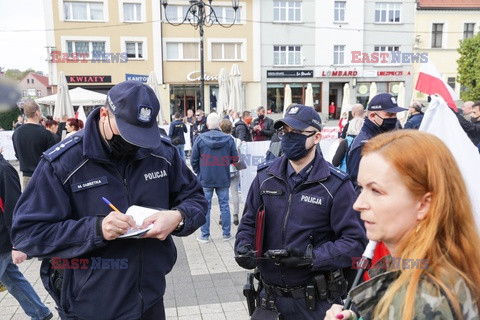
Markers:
430,82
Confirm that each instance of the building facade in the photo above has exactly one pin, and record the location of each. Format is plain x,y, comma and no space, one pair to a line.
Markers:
34,85
439,28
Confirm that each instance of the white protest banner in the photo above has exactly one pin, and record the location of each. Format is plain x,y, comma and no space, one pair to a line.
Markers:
7,144
329,142
254,156
441,122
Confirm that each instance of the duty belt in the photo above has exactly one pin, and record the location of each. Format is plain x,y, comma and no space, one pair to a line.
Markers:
293,292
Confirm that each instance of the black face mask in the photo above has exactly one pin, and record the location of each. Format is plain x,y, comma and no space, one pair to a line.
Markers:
474,120
388,124
261,116
119,146
293,145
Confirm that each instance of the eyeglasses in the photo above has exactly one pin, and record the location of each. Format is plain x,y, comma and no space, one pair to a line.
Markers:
281,132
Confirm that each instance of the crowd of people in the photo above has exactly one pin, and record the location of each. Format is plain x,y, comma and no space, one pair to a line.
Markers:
304,220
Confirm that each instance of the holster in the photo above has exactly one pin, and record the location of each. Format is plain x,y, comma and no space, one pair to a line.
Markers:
250,293
337,285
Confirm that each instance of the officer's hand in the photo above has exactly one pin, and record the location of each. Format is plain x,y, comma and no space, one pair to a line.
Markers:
336,312
297,259
116,224
245,257
164,222
18,256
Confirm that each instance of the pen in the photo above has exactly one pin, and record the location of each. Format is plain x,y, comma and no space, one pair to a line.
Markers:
110,204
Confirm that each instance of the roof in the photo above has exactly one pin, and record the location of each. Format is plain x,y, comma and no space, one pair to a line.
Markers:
448,4
43,80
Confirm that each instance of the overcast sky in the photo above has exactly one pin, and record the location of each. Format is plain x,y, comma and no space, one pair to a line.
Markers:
26,49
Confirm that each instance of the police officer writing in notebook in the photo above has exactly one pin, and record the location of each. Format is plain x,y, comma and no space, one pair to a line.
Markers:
310,230
121,156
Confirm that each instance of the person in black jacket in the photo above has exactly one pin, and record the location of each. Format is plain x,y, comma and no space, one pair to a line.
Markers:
472,127
176,134
30,140
262,127
10,276
200,125
242,127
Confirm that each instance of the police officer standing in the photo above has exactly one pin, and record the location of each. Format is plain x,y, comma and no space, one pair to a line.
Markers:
310,231
121,156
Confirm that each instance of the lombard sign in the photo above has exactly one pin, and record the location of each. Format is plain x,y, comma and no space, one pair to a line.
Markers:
136,77
289,73
196,76
339,73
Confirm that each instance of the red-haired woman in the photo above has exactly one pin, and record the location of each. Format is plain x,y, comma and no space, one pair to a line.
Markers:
73,125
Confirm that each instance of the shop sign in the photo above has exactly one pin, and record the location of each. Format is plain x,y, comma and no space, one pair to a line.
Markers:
393,73
195,76
340,73
89,79
136,77
289,73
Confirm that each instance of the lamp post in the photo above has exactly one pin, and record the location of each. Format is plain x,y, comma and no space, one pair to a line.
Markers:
198,17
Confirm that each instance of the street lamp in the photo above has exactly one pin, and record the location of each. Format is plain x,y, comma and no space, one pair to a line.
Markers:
198,17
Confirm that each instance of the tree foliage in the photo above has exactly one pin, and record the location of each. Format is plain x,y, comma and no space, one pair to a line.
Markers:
7,118
469,68
17,74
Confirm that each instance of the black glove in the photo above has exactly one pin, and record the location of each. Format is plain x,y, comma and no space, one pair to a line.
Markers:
245,257
298,259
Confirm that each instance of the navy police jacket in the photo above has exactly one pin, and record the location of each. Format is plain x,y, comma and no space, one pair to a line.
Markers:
58,216
317,212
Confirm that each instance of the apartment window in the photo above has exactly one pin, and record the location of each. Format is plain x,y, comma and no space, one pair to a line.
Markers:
176,14
39,93
28,81
287,55
338,54
287,11
386,48
451,82
226,51
134,49
132,12
339,11
182,51
32,81
83,11
468,29
226,14
387,12
437,33
90,48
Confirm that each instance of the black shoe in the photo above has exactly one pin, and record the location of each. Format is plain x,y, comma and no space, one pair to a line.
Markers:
235,219
220,222
50,316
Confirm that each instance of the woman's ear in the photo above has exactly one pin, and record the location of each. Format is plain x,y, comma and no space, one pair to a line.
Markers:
424,205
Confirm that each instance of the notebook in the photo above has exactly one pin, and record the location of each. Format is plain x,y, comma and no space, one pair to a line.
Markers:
139,214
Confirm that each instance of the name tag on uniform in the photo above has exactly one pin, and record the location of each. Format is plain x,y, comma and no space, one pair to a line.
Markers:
271,192
79,186
312,199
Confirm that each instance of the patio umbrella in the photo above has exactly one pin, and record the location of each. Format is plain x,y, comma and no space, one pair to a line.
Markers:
346,99
373,91
63,104
287,99
235,100
278,100
153,83
309,95
223,90
81,114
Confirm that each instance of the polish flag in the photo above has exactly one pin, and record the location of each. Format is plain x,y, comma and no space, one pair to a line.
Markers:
430,82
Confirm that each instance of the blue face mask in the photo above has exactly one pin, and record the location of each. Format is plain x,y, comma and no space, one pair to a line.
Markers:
293,145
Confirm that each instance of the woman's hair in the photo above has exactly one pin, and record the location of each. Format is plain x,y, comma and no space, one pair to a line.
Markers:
447,237
50,122
354,126
226,126
77,124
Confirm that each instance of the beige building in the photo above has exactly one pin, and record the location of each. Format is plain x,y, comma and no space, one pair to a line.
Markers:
99,43
439,27
34,85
